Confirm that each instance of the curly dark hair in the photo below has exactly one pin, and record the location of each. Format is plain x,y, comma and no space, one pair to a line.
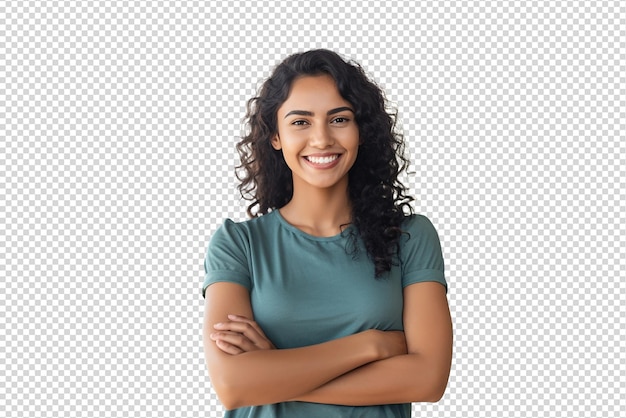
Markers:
379,200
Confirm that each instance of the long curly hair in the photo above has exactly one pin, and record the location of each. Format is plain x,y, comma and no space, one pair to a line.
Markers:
379,200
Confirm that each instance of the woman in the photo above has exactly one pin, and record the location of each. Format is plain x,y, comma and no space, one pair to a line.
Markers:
331,300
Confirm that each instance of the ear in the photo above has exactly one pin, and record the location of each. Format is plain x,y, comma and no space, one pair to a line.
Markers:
276,142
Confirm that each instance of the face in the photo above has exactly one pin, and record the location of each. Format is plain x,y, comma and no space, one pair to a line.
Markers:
317,133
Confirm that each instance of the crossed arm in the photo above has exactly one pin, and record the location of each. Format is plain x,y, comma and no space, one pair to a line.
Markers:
368,368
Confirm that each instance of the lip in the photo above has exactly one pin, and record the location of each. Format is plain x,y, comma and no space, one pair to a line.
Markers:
323,166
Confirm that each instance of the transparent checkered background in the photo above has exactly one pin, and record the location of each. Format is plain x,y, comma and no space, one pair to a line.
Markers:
118,125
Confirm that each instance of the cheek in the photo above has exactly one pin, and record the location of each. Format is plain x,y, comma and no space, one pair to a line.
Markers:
351,138
290,152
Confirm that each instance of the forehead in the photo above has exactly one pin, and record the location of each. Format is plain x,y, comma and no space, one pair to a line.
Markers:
313,92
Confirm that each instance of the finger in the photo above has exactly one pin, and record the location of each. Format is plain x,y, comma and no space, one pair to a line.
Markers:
236,339
252,323
246,329
228,348
262,341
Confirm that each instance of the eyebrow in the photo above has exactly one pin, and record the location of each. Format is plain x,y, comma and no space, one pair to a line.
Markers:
330,112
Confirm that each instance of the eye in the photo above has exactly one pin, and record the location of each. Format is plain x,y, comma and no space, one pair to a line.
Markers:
299,122
340,119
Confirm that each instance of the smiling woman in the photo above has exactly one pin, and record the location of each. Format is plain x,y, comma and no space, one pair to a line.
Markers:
330,301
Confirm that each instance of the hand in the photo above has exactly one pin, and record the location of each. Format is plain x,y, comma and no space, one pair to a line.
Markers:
240,335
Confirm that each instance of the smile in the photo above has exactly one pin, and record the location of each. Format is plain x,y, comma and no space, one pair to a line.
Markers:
322,160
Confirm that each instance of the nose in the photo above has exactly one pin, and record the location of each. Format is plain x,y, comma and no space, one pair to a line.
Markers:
321,137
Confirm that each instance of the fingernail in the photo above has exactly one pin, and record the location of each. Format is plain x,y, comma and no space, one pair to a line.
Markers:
218,325
232,316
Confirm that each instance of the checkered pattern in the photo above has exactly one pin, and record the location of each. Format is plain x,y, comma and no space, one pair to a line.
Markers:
118,125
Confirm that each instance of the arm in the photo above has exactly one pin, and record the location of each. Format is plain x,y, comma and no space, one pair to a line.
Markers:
421,375
268,376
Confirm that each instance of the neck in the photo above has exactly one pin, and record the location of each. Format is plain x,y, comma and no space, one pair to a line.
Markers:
318,211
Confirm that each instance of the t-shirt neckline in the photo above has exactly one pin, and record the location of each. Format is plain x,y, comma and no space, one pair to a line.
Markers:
342,235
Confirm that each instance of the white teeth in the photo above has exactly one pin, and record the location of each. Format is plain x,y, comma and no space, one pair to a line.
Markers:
323,160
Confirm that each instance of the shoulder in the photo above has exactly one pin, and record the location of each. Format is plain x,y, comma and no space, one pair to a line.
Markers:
228,255
228,231
416,219
245,227
242,232
416,228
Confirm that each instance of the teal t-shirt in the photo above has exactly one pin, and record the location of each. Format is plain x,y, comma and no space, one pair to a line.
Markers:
306,290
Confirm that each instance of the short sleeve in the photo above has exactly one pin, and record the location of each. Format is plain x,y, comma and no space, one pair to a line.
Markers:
420,252
226,257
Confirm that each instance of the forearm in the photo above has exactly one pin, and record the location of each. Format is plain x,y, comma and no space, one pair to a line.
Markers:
270,376
400,379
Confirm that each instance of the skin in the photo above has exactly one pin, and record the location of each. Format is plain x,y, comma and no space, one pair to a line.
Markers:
368,368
